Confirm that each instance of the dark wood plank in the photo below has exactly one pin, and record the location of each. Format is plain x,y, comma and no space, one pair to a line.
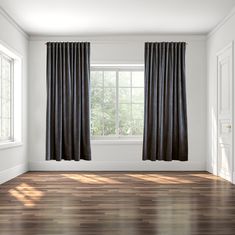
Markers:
127,203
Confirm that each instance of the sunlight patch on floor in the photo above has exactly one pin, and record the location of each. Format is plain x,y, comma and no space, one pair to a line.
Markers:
26,194
160,179
91,179
206,176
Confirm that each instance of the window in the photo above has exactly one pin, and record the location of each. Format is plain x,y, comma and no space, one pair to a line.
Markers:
10,98
6,91
117,101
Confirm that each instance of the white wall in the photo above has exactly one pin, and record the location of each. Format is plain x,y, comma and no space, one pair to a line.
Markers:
13,161
119,156
223,35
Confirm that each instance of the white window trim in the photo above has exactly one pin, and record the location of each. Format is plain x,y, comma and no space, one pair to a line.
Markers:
108,141
17,96
11,61
10,144
117,139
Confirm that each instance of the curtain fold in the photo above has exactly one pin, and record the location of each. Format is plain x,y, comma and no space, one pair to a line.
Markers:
165,118
68,111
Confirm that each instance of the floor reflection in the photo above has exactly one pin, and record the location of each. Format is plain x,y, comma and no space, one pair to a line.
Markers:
26,194
160,179
91,179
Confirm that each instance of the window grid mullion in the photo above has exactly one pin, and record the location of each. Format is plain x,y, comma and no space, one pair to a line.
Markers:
131,105
103,104
117,105
11,101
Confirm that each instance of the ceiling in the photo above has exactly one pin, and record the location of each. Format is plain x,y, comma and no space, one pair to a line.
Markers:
100,17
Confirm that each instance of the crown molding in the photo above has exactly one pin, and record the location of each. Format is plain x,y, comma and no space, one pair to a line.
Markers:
13,23
101,39
221,23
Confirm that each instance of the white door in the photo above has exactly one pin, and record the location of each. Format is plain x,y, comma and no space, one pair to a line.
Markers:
225,112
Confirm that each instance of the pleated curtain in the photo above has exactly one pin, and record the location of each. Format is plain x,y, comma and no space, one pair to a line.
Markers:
68,114
165,118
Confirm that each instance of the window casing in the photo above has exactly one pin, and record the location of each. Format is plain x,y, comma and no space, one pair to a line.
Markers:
117,101
6,98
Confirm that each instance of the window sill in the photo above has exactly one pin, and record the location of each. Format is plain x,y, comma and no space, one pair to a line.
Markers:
116,142
13,144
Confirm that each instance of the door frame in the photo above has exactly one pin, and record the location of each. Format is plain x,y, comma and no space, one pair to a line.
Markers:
230,45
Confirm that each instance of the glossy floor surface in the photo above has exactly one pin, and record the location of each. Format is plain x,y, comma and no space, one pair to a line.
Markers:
123,203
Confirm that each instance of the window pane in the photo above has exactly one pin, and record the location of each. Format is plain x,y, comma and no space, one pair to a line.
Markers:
125,127
96,96
110,79
109,127
109,119
6,108
96,127
138,79
137,127
124,79
130,103
124,111
137,111
97,79
137,95
6,122
96,121
6,70
124,119
110,95
6,91
124,95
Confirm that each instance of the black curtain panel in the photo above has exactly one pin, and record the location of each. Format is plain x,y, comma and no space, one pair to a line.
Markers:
165,118
68,121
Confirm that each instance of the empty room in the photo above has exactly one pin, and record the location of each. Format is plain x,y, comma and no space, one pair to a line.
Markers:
117,117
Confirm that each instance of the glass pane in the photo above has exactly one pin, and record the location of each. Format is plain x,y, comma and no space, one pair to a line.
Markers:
110,95
97,120
96,127
96,78
6,70
137,127
109,127
6,122
109,112
124,127
96,97
6,108
6,89
137,95
137,111
109,119
110,79
96,112
124,79
138,79
124,119
124,95
124,111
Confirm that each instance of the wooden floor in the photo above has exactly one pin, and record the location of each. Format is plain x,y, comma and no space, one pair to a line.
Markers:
124,203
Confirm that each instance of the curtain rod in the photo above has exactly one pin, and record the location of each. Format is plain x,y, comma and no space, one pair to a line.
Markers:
145,42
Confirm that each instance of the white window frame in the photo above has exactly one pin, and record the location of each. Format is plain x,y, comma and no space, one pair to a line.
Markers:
11,61
16,139
117,68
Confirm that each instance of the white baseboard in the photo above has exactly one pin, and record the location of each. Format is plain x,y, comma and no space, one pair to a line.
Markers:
11,173
116,166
